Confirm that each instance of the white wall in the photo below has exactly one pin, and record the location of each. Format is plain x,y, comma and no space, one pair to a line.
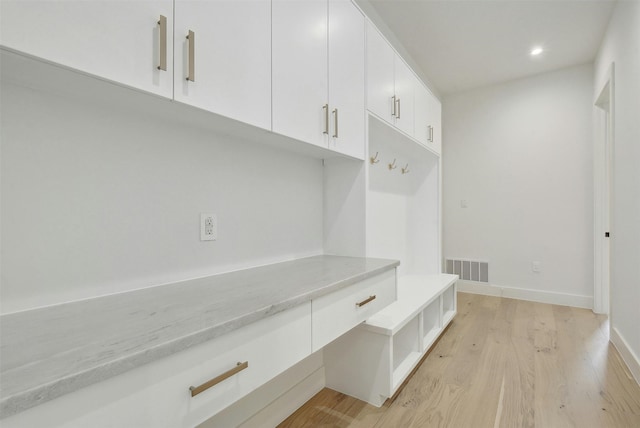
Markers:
621,46
96,201
520,154
402,215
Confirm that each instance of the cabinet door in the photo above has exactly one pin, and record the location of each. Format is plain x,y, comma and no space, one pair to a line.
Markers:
404,86
346,78
380,85
299,58
232,58
421,111
435,112
119,41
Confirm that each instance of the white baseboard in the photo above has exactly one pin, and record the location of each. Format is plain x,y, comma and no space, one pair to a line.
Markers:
627,354
526,294
478,288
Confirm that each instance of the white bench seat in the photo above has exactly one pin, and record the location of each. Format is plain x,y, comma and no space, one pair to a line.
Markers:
415,292
373,360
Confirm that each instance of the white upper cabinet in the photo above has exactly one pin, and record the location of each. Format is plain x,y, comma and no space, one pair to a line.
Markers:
435,110
346,79
300,81
427,117
404,87
428,111
127,42
396,94
422,131
229,56
380,75
389,83
318,73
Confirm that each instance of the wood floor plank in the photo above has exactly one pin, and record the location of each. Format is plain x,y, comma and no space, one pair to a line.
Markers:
582,388
438,403
502,363
518,403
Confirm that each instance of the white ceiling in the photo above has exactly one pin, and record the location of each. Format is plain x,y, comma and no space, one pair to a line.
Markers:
461,45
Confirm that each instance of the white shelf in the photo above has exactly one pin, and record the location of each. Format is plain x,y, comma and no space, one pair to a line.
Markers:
448,316
415,292
430,337
404,368
406,342
371,361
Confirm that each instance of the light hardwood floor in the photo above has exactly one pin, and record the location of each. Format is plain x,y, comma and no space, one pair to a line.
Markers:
502,363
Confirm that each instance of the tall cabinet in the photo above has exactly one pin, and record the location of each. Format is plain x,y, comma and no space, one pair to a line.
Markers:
401,209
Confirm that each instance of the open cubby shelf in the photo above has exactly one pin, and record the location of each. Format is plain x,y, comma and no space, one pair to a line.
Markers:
376,357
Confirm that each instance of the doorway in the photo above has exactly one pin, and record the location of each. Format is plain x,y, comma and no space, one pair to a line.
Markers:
603,194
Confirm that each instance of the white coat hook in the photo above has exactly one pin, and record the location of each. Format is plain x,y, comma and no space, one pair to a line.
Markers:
405,170
393,165
374,159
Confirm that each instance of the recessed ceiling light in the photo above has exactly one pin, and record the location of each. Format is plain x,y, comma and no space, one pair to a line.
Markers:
536,51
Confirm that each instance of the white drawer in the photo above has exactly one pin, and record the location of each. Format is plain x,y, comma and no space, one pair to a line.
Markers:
157,394
336,313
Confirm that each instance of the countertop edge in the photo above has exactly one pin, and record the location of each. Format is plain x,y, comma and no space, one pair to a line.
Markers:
22,401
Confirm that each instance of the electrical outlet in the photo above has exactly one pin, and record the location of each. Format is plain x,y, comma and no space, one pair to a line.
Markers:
535,267
208,227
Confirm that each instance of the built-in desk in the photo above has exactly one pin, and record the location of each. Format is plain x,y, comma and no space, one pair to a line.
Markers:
164,339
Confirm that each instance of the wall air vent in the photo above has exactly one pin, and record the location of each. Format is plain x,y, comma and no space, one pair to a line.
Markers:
469,270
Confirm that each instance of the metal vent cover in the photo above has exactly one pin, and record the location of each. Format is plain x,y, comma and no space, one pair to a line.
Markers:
469,270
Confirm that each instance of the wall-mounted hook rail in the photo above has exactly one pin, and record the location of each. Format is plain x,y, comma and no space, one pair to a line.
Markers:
393,165
374,159
405,170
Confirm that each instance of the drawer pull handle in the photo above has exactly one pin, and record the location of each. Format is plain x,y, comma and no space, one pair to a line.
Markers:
365,301
195,390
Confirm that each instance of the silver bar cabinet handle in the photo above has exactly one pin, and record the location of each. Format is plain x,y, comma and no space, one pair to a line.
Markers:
195,390
393,109
335,114
191,74
398,101
431,133
326,119
163,43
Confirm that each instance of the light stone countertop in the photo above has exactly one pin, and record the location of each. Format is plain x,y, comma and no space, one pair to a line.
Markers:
49,352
